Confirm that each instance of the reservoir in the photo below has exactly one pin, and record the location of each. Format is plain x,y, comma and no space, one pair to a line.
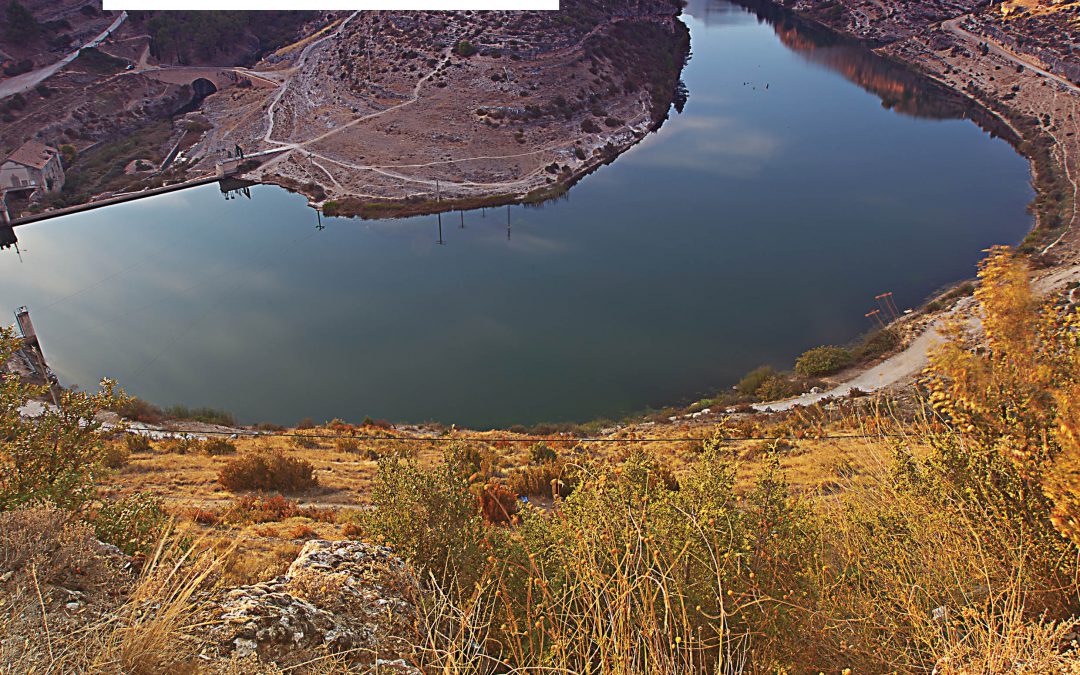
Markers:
802,178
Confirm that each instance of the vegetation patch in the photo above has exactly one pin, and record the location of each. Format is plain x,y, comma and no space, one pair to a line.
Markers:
268,471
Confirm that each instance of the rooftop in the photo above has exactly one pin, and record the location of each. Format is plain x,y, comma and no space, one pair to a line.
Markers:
32,154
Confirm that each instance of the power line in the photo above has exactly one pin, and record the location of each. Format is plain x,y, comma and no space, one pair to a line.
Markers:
542,439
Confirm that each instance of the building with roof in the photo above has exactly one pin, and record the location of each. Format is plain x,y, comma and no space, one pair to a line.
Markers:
33,166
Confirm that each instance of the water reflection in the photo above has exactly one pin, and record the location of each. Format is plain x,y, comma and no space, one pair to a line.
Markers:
900,88
7,237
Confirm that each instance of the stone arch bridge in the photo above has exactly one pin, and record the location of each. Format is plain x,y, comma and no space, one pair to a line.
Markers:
220,78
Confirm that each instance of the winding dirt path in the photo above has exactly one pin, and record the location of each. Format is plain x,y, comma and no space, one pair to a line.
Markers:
899,367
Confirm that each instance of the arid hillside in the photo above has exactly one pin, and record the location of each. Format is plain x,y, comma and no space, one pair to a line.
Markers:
374,113
463,105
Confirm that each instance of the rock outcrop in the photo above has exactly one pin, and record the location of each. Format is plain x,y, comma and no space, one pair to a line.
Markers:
345,600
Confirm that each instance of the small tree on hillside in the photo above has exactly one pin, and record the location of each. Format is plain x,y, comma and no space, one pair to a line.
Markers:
52,457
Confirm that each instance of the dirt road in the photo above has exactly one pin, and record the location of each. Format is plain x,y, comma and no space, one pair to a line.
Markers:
20,84
897,368
953,26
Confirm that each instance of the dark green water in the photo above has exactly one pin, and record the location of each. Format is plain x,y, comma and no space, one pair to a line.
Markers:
758,223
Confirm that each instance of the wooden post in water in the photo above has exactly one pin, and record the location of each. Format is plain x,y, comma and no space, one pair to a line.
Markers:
877,315
883,302
892,305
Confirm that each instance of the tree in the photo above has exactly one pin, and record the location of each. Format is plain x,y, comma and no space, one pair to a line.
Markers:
51,458
21,24
68,154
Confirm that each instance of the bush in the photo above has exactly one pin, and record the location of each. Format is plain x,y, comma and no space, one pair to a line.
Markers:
877,343
429,516
204,414
540,453
136,409
497,503
136,443
472,462
349,445
304,441
547,479
53,542
775,387
667,562
752,381
590,127
823,361
267,470
253,509
133,524
22,27
215,447
179,445
464,48
52,458
115,454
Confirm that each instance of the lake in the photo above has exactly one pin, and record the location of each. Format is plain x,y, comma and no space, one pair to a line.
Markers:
759,222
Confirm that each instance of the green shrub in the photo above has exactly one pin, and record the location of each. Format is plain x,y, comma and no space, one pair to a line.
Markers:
179,445
823,361
134,524
473,462
267,470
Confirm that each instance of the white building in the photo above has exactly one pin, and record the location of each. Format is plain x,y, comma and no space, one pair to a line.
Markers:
33,165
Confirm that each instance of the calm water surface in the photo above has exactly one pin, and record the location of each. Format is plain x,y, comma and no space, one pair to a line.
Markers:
759,222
